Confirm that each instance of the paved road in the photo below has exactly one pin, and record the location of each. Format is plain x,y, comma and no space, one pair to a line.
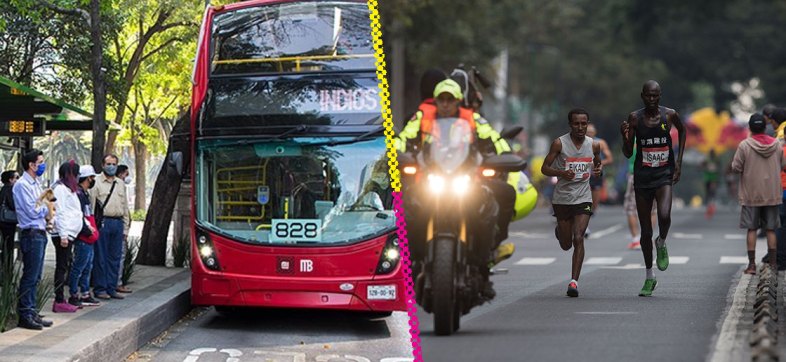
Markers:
282,336
531,319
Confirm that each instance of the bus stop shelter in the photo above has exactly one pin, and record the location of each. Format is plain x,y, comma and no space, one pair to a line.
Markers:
26,113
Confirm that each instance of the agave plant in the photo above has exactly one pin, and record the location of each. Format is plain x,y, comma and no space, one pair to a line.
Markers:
181,252
9,290
129,262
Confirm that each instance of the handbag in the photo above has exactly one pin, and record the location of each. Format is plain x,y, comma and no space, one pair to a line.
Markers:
7,216
92,238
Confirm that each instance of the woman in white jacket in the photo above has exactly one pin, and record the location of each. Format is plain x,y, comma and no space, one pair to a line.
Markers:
68,224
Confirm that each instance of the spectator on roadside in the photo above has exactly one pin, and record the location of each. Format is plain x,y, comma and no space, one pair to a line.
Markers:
32,237
759,159
110,193
123,174
79,279
8,229
68,224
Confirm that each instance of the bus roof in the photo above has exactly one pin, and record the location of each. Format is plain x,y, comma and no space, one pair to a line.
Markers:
251,3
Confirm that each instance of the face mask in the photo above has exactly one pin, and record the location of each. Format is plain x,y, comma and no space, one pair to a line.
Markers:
110,170
127,180
41,169
92,184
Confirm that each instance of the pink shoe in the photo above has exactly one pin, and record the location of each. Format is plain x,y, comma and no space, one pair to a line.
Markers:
64,308
634,245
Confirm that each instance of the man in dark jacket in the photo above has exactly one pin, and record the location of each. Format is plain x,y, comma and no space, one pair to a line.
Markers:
7,229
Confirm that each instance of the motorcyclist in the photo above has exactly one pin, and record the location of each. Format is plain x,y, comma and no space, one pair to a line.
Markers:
448,95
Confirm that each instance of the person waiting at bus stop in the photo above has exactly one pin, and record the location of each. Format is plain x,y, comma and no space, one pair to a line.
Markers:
448,95
111,194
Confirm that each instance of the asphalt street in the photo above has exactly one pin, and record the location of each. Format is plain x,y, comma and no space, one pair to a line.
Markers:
281,335
532,319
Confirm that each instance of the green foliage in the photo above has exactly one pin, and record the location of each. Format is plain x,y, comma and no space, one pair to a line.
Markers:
181,251
129,261
138,215
44,292
9,290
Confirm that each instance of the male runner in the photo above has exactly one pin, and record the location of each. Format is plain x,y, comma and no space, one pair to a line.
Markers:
573,158
655,171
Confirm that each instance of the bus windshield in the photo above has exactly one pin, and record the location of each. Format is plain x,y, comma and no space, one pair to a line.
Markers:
293,37
298,191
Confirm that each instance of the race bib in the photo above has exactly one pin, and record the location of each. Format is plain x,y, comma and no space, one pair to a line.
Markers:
655,156
581,166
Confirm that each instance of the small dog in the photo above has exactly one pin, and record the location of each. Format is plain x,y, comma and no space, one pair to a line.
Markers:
48,198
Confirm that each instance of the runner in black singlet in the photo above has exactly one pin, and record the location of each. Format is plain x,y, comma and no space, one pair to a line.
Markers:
655,171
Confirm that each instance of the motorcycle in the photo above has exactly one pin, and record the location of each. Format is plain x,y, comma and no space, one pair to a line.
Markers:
444,188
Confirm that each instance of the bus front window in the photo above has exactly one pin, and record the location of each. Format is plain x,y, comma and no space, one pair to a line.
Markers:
296,191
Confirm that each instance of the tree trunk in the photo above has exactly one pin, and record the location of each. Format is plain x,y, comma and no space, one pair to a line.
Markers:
110,143
140,157
99,86
152,251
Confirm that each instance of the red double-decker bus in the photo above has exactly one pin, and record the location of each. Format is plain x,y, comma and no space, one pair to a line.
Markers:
291,197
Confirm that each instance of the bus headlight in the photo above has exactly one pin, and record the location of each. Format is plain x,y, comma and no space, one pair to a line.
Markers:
460,184
207,253
391,256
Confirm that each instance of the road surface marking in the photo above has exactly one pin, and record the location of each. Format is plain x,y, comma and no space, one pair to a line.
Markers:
624,267
687,236
536,261
728,347
734,236
607,231
734,260
603,261
679,259
607,313
528,235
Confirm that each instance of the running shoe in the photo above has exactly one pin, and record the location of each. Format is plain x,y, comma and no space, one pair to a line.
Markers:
751,269
649,286
663,256
573,290
503,252
634,245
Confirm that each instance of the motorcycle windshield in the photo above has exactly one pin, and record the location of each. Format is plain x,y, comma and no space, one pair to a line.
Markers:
450,140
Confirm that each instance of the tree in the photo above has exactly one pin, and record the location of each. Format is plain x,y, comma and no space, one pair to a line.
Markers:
152,251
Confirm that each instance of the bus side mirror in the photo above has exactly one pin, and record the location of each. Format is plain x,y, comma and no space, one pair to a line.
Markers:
175,162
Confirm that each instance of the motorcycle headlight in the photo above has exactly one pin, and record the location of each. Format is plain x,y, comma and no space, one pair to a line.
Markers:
460,184
436,183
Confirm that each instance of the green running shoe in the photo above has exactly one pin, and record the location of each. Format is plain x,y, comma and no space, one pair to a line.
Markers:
649,286
663,257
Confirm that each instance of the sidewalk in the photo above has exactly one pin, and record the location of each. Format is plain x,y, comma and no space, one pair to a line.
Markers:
109,332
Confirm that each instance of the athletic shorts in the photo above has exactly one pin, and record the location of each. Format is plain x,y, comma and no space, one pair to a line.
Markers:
765,217
564,212
596,183
629,204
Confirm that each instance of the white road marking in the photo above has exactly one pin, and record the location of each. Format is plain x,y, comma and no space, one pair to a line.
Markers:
603,261
536,261
607,231
688,236
678,259
727,346
625,267
734,236
734,260
528,235
607,313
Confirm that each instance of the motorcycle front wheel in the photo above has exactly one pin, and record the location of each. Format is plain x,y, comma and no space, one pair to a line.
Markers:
443,270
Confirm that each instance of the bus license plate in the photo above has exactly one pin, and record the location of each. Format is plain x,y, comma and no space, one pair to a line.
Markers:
284,230
382,292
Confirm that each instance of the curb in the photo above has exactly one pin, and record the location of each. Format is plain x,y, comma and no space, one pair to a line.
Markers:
764,334
113,332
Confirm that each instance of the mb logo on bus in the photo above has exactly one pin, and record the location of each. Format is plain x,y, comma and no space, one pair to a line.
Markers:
306,266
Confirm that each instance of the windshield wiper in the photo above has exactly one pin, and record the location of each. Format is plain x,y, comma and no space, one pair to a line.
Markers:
364,137
298,129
